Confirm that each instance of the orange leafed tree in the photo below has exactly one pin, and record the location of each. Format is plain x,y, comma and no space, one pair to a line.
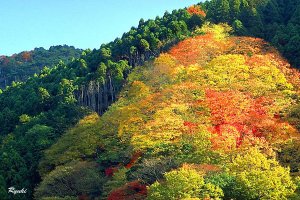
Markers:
26,56
196,10
202,48
236,116
132,190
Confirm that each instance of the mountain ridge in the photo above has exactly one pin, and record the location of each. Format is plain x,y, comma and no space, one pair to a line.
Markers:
19,67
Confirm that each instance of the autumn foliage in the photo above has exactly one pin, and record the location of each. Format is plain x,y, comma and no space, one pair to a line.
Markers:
211,97
196,10
133,190
26,56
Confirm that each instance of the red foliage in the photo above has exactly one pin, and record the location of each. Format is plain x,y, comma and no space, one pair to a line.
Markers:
4,60
133,190
83,197
276,116
110,171
196,10
191,126
227,107
134,158
233,107
236,116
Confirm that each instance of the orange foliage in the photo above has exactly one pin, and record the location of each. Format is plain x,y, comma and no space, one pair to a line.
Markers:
227,107
133,159
239,97
133,190
203,48
225,137
209,168
26,56
236,116
248,46
199,49
196,10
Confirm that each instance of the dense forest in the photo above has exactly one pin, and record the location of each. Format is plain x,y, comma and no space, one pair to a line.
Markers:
19,67
191,105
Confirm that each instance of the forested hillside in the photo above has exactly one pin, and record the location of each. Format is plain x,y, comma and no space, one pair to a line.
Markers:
180,107
19,67
34,114
208,119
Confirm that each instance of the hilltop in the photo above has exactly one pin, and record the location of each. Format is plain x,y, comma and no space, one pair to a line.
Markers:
19,67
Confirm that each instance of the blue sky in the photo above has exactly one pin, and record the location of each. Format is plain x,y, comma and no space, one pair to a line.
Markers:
26,24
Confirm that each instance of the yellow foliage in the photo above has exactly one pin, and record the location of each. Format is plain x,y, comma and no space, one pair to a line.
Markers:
138,90
225,72
219,31
164,63
261,178
90,119
76,144
166,127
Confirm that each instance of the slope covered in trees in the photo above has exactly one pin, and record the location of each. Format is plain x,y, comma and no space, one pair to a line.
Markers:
48,104
201,124
276,21
19,67
215,116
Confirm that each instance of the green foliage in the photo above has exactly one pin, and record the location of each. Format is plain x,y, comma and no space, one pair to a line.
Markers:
66,89
78,143
296,195
3,188
239,28
225,181
14,171
118,179
287,158
178,184
71,180
24,118
211,191
40,136
19,67
150,170
219,11
105,53
260,177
